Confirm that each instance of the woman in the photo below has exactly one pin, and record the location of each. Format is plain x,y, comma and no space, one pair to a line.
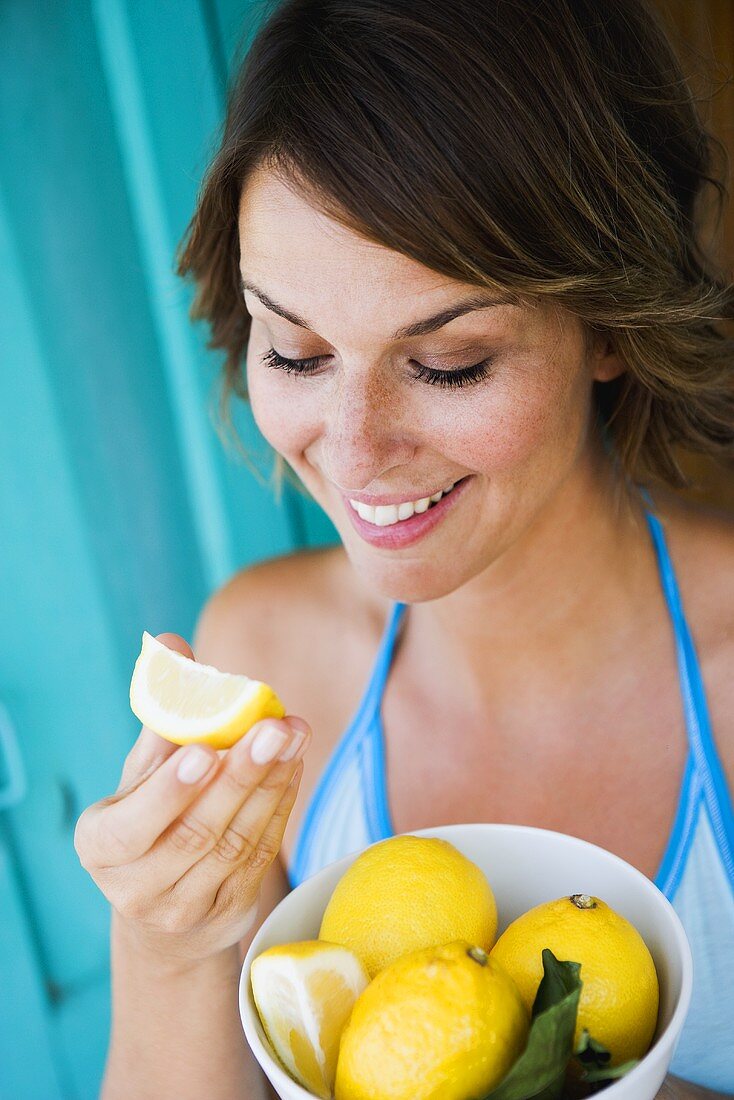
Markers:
455,246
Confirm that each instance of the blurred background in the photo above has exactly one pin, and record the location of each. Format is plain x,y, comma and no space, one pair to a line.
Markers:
121,507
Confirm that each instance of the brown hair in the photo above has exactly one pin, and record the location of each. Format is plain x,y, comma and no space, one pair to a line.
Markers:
541,147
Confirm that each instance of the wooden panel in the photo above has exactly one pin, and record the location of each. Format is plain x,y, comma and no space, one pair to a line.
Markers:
119,507
703,36
64,683
167,99
28,1063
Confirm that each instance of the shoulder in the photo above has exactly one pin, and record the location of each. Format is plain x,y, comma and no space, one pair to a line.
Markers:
258,604
293,621
701,544
304,625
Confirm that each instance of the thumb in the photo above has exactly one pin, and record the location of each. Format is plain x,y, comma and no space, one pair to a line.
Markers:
150,749
175,641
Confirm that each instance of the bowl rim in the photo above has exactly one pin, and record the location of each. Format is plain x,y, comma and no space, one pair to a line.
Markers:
674,1025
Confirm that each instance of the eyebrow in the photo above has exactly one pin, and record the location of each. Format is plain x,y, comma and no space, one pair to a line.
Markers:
417,328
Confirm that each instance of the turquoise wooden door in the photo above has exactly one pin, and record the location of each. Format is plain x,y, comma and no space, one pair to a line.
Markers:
120,508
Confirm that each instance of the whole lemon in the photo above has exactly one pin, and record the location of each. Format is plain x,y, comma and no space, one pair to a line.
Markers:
619,995
405,893
445,1022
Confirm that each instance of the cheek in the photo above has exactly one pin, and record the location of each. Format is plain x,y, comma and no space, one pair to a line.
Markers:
536,419
280,409
531,420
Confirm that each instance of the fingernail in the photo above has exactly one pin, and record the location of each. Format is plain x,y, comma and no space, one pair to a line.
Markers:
195,763
300,725
267,744
292,749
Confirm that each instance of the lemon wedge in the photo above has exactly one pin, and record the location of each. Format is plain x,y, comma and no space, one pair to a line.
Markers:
184,701
304,993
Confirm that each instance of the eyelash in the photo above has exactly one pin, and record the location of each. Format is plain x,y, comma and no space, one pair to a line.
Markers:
448,379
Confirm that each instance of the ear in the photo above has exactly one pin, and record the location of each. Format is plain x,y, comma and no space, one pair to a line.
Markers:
604,361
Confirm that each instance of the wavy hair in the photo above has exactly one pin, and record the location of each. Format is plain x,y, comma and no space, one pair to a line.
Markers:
538,147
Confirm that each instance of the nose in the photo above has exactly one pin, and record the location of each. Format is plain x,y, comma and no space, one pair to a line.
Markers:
366,429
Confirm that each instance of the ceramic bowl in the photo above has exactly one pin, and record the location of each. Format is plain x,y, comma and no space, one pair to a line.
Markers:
525,867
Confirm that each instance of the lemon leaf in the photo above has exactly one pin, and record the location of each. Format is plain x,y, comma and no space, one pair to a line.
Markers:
591,1052
608,1073
594,1058
540,1070
559,979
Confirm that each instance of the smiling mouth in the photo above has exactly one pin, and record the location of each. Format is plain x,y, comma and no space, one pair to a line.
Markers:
389,515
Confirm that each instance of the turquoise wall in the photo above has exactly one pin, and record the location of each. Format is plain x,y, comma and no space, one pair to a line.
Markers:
120,507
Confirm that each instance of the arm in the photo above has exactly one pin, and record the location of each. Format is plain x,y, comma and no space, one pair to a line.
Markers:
176,1032
176,1029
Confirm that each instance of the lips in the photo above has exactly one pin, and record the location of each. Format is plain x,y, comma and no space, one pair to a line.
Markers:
385,515
408,531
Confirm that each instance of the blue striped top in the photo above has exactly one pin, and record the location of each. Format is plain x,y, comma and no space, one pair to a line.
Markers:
349,810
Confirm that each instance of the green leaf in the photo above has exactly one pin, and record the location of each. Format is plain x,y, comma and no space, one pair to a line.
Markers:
610,1072
559,979
539,1072
594,1059
590,1052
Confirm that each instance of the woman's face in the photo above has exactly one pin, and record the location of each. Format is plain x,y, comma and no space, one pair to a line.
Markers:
364,423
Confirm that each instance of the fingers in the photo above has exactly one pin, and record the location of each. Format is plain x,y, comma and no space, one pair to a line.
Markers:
221,828
175,641
234,893
148,753
123,831
150,750
120,830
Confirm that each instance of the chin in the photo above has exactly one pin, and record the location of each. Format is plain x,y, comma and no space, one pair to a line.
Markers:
408,580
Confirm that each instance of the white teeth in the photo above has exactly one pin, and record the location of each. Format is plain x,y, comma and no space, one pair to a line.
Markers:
385,515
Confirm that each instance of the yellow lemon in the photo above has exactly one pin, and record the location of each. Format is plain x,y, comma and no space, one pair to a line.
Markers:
184,701
304,993
619,995
443,1023
405,893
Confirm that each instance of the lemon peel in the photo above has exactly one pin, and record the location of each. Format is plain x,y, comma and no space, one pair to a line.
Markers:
406,893
304,993
183,700
443,1021
619,998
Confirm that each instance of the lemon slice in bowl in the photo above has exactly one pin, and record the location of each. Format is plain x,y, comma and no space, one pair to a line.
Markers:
184,701
304,993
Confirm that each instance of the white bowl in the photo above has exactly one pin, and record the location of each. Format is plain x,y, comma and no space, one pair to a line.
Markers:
524,866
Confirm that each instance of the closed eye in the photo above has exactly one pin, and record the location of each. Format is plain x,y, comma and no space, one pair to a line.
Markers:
465,376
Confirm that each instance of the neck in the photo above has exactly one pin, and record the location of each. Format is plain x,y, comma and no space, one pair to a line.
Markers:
557,601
